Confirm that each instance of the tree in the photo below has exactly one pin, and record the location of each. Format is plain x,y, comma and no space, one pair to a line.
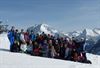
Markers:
3,28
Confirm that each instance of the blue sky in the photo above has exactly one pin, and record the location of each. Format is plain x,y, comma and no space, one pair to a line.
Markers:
64,15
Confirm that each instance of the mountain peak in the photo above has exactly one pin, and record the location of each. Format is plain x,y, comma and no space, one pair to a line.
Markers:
43,24
43,28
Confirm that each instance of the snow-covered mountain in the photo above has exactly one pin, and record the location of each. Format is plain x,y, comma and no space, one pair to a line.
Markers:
87,34
20,60
43,28
46,29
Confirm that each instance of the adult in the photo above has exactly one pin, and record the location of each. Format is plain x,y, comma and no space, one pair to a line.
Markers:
11,34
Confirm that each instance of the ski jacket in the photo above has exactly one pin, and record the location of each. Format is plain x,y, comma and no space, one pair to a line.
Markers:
32,37
37,51
22,37
26,37
17,37
11,37
30,48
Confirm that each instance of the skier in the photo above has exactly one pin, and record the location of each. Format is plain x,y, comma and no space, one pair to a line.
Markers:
80,45
26,37
62,51
36,50
32,37
49,49
83,58
74,55
22,41
57,49
11,38
16,41
45,48
30,48
66,48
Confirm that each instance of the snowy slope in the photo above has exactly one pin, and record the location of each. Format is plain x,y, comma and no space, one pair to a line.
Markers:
4,42
19,60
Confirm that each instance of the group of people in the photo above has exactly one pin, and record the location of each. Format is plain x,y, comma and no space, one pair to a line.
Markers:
46,45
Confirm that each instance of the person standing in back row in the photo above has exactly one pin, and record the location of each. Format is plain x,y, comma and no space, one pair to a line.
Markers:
32,37
11,34
23,46
16,41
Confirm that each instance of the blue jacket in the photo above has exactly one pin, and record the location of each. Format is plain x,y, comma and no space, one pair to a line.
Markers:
32,37
11,37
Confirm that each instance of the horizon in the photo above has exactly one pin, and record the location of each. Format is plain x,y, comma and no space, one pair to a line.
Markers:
63,15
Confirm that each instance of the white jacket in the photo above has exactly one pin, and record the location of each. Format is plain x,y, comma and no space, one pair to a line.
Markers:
22,37
23,47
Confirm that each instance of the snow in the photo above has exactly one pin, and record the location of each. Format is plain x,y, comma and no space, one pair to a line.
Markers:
90,32
20,60
47,29
97,30
4,42
43,28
